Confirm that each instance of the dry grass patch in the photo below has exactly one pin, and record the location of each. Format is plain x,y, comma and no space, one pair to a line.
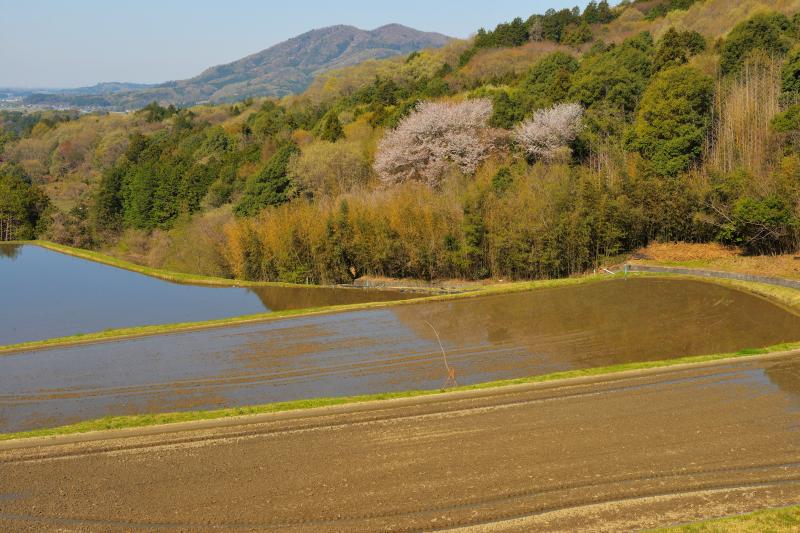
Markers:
718,257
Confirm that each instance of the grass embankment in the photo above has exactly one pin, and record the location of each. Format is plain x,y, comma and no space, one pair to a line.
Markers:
776,520
137,421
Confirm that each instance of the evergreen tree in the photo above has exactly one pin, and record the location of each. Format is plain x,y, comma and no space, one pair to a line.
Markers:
675,48
673,118
331,129
272,186
765,32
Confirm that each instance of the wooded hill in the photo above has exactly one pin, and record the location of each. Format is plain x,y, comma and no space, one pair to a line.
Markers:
540,148
286,68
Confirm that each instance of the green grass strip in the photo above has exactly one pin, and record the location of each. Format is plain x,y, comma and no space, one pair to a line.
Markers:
772,520
135,421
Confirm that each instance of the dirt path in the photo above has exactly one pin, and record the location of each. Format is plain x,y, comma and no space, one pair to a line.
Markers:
613,453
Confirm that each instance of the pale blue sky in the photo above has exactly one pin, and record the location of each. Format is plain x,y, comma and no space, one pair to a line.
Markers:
71,43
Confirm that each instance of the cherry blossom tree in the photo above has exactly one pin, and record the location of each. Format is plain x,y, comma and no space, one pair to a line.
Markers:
549,132
435,136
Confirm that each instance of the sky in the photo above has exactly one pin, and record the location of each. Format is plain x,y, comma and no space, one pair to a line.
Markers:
75,43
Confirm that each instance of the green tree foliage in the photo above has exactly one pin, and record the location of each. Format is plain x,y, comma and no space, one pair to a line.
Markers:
272,186
787,121
23,206
108,204
270,120
548,82
19,124
383,91
162,177
507,111
598,13
514,33
615,78
330,129
673,118
566,26
663,8
502,181
790,75
767,32
554,23
761,225
675,48
153,112
578,35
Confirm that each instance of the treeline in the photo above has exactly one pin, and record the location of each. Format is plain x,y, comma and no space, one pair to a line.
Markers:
660,9
567,26
544,173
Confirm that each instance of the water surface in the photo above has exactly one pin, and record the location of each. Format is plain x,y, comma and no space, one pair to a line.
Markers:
46,294
390,349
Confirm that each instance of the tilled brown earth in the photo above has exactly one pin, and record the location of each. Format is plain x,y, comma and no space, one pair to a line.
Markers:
610,453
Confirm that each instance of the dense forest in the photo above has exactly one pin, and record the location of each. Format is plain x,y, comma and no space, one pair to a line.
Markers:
540,148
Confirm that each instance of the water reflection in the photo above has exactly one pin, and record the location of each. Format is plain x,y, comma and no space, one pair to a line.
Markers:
10,251
46,294
600,324
786,376
284,298
389,349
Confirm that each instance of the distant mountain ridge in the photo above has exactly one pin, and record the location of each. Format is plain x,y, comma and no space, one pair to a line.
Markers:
286,68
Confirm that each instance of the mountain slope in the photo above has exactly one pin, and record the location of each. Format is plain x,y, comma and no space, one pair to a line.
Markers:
286,68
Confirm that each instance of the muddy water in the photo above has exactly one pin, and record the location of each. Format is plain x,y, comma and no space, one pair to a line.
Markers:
392,349
45,294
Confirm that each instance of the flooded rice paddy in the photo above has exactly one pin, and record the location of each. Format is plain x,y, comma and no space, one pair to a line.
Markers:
391,349
46,294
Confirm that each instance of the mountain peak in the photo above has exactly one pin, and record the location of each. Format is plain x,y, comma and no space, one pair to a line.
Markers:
285,68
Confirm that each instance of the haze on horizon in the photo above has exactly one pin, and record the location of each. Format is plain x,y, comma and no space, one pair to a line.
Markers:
51,44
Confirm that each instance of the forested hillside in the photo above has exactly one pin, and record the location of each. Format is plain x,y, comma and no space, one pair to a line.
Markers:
539,148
